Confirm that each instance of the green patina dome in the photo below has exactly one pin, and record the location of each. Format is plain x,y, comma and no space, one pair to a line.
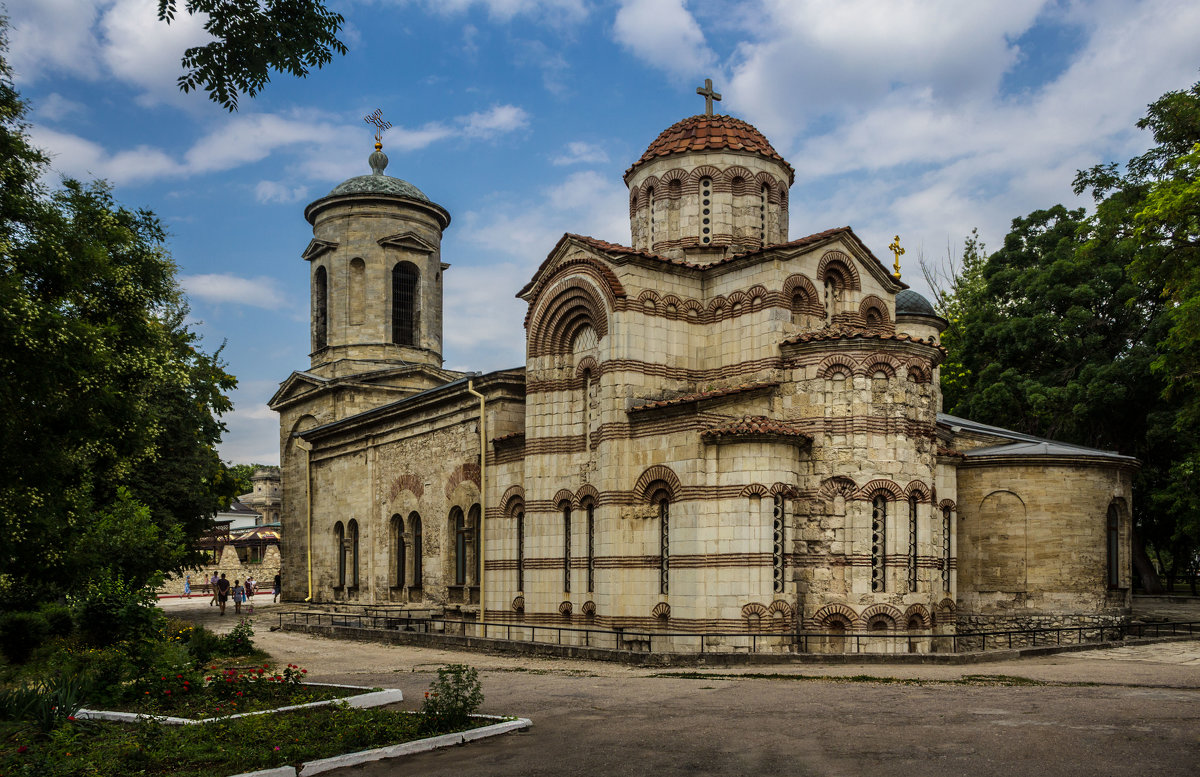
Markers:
378,183
909,301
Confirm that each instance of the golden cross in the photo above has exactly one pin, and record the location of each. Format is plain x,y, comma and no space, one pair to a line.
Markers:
381,124
898,251
709,96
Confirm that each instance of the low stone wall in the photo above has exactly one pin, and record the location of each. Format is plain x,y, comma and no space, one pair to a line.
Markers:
1061,629
264,572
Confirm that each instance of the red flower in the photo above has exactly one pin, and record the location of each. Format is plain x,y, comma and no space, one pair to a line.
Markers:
23,749
303,671
167,692
178,677
239,693
71,717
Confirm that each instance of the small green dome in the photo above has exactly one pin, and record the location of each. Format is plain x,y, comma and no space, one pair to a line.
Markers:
378,183
909,301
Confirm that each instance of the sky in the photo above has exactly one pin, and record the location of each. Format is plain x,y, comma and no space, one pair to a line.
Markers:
923,118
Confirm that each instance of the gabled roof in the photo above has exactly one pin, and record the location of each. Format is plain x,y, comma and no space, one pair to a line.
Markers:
292,383
1023,445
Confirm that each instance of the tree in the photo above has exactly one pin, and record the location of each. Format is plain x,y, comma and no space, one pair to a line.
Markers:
241,474
254,38
110,421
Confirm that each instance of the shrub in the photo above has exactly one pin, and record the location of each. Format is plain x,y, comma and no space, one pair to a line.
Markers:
238,641
109,609
451,698
20,633
202,645
58,619
46,705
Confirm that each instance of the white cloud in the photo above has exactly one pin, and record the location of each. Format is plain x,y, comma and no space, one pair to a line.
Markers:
494,121
275,191
219,288
55,107
74,156
142,51
664,34
553,11
53,36
580,152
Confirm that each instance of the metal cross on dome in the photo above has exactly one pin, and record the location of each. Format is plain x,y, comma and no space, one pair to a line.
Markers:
381,124
899,252
709,96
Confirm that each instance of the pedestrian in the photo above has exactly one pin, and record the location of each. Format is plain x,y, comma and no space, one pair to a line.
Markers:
187,586
222,589
251,585
239,596
276,588
212,583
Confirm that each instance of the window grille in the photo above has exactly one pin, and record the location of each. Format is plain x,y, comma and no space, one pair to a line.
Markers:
460,546
591,547
912,543
320,309
946,548
878,543
567,548
777,516
664,548
404,304
414,522
521,550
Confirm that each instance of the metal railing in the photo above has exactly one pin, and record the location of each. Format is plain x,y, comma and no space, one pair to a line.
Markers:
773,641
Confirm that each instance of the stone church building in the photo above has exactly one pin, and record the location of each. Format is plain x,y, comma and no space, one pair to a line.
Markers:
716,429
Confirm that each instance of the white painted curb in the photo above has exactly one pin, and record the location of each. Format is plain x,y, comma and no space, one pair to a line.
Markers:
363,700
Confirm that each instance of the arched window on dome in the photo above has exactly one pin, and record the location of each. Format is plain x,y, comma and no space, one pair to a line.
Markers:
764,195
650,205
674,203
706,211
405,278
320,308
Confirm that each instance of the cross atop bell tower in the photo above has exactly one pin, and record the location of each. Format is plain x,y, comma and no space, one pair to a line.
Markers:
709,96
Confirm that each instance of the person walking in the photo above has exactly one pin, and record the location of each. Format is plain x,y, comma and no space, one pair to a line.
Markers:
277,586
187,586
239,596
251,587
212,582
222,589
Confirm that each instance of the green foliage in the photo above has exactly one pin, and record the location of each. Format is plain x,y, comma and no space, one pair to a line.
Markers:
108,609
454,696
241,474
254,38
239,641
20,633
45,706
59,620
108,439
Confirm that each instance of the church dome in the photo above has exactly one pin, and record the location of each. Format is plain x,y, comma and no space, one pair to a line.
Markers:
710,133
912,303
377,182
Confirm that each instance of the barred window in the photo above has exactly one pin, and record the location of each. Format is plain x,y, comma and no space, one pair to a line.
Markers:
878,543
320,309
912,543
566,512
404,304
777,546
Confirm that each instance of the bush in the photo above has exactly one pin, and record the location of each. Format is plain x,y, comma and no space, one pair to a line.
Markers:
46,705
58,617
20,633
238,641
452,698
110,610
202,645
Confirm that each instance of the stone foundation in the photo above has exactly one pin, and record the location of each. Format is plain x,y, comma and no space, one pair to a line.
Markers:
1077,628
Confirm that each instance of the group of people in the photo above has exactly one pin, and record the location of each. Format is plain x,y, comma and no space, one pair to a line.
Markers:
241,592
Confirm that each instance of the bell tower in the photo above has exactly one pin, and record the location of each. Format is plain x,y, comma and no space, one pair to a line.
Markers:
375,270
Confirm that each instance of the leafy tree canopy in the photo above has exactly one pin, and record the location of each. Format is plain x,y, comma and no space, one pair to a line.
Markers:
108,439
253,38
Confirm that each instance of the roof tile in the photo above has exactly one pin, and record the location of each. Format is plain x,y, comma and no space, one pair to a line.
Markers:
700,133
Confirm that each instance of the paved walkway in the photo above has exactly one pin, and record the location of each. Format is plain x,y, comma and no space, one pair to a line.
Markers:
1123,711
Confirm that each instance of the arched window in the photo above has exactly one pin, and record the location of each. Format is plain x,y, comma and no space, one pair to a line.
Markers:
475,529
339,542
520,548
587,411
399,552
650,215
777,546
414,525
662,499
946,523
763,196
705,210
912,542
1114,546
566,513
404,304
591,546
320,308
352,541
358,291
458,526
878,542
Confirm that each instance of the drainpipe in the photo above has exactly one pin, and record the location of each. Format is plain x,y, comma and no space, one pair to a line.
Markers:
306,446
482,499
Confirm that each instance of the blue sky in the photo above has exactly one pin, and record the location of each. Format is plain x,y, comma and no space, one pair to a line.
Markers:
922,118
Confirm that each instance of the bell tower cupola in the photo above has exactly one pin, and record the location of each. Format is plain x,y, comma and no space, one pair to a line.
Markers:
375,269
708,187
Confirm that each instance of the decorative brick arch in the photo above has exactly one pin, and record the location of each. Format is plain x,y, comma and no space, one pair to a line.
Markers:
463,473
739,180
672,182
942,505
736,298
563,313
889,489
800,287
757,294
918,372
836,486
585,492
919,489
565,609
651,296
589,609
518,604
671,302
647,186
774,186
704,171
718,304
918,611
662,611
877,611
784,489
601,275
878,362
564,498
782,608
874,313
838,362
755,609
658,474
835,264
831,612
513,497
755,490
692,308
634,197
946,606
407,482
587,364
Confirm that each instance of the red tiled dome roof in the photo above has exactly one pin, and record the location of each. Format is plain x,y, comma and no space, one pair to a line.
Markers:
710,133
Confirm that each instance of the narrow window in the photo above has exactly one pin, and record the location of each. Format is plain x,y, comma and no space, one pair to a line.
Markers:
946,548
320,308
566,511
663,500
762,214
399,550
358,291
1114,546
339,539
414,523
777,516
591,547
587,411
705,210
404,304
473,524
521,550
650,215
878,542
912,543
459,527
352,530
